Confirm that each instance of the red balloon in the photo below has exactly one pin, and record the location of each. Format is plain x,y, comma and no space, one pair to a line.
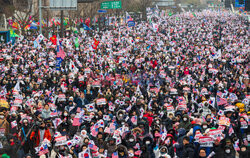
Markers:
53,39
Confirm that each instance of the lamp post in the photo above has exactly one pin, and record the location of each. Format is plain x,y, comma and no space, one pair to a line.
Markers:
40,15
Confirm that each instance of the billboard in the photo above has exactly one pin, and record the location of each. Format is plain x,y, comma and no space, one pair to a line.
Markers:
239,3
63,4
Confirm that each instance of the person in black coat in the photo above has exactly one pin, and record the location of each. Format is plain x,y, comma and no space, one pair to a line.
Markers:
188,151
179,145
24,136
244,152
229,152
217,148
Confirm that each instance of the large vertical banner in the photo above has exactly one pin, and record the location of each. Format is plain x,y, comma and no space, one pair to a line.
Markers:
58,63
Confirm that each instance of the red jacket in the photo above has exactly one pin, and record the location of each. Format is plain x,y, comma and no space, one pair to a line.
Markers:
154,63
149,118
47,135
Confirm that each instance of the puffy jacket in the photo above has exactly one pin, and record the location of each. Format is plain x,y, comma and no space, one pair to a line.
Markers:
188,151
179,147
35,136
46,114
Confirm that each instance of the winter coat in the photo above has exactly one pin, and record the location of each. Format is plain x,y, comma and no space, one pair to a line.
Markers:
244,154
185,124
111,149
149,118
179,147
188,151
158,154
12,149
4,126
35,136
167,122
46,114
218,151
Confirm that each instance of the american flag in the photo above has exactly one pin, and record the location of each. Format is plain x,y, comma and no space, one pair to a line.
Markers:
221,101
60,52
112,126
231,130
94,130
115,155
93,147
54,113
219,94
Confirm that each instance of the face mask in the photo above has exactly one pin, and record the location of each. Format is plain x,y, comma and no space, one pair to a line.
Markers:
147,142
65,114
157,122
120,115
204,127
185,119
208,119
227,151
131,140
1,116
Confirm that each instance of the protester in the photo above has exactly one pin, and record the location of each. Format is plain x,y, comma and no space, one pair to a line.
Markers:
174,86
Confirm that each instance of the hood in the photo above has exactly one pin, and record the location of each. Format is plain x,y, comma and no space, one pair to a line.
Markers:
195,129
147,138
181,132
162,147
186,117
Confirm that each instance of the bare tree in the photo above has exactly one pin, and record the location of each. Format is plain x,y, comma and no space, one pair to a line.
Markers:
23,10
143,6
6,7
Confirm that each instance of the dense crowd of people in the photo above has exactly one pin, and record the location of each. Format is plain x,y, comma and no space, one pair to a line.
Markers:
175,86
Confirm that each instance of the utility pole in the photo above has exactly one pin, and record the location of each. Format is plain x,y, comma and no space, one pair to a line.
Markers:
62,24
40,15
5,22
